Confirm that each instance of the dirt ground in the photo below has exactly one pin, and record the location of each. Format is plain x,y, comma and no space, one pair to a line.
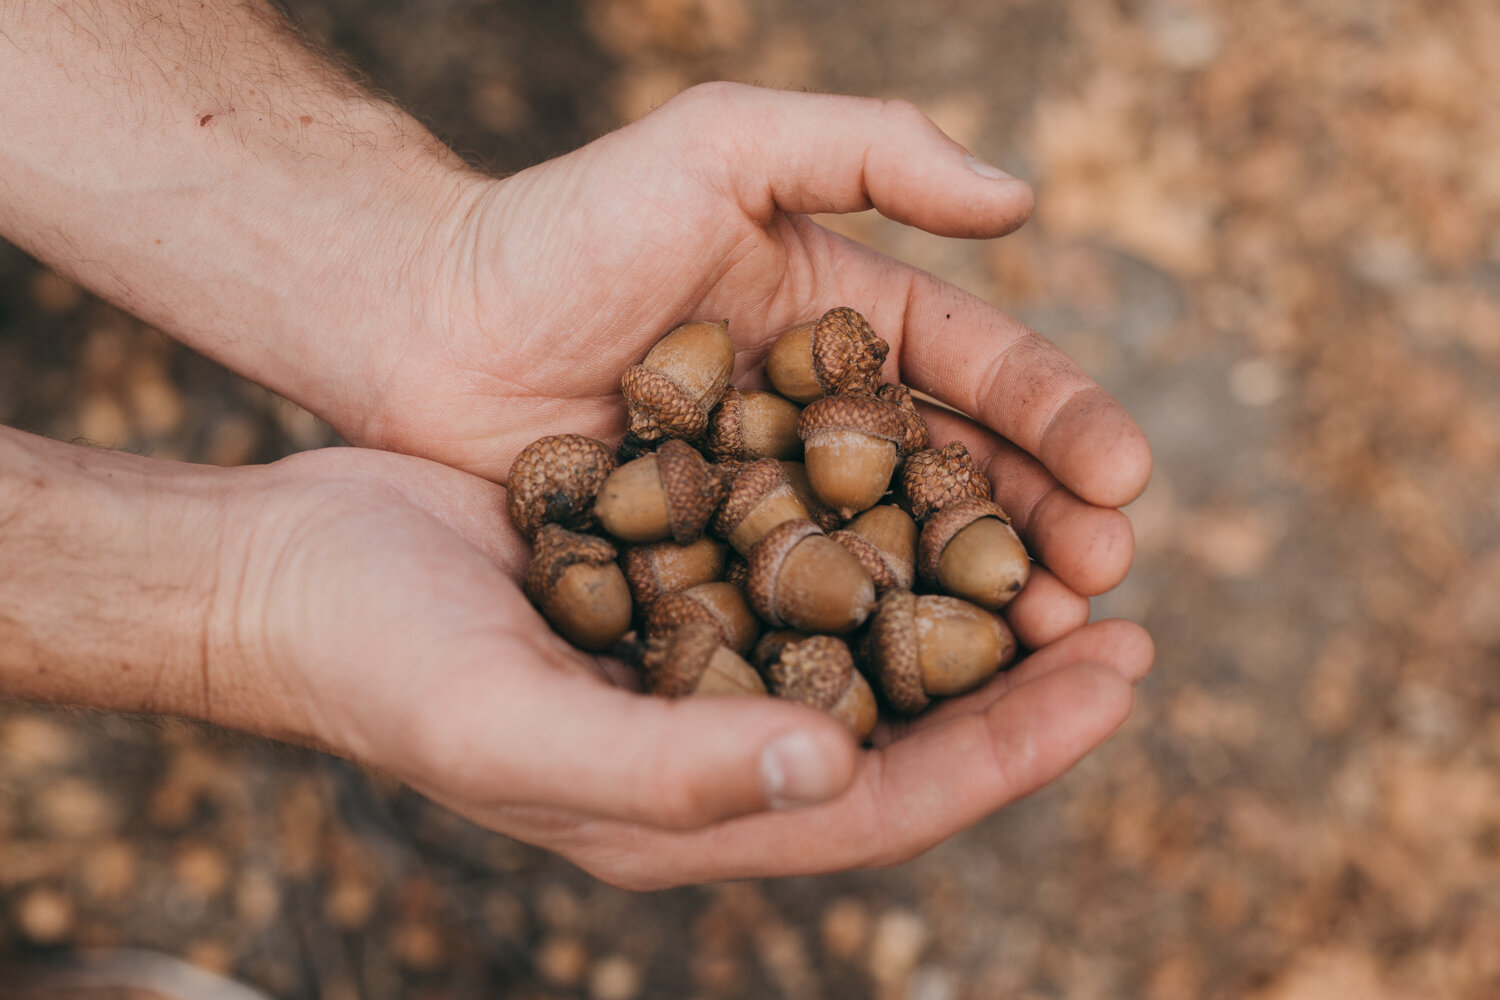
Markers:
1269,227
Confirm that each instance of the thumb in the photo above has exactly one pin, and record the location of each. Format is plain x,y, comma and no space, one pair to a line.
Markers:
808,153
575,743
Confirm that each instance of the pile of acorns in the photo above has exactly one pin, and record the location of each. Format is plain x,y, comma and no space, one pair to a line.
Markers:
748,547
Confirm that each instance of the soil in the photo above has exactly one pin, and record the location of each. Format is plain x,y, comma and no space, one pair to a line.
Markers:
1268,227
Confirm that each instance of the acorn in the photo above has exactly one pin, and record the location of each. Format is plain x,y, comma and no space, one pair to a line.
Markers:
800,578
818,512
970,550
852,444
666,567
673,390
938,477
819,671
750,424
554,481
884,540
670,493
837,353
721,604
923,647
574,581
690,660
759,498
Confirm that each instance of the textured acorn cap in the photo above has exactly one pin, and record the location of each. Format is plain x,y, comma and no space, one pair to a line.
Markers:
751,424
690,660
939,477
871,415
759,497
554,480
720,604
672,391
847,354
693,487
891,652
768,648
812,671
940,528
664,567
555,550
917,436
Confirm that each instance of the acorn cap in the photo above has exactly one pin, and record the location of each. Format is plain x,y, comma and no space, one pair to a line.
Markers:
891,652
752,424
766,560
554,480
815,671
751,484
556,550
939,477
870,415
917,436
940,528
768,648
693,489
802,579
690,660
847,354
663,567
681,379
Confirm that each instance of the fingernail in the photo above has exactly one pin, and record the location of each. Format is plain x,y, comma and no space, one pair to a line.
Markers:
986,170
794,772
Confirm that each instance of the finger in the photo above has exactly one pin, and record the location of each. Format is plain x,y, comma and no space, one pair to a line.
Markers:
1089,548
906,798
1045,610
809,153
569,742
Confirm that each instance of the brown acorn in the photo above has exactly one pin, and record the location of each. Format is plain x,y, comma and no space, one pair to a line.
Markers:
800,578
968,549
818,512
917,436
672,391
690,660
670,493
837,353
554,480
935,478
920,648
574,581
759,498
750,424
721,604
819,671
665,567
852,444
884,540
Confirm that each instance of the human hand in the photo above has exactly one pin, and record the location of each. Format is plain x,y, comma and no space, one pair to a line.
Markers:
377,611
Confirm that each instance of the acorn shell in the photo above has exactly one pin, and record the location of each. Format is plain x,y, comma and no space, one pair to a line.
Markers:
554,481
574,581
759,497
884,540
750,424
819,671
666,567
799,578
943,526
940,477
690,660
890,648
671,392
720,604
847,353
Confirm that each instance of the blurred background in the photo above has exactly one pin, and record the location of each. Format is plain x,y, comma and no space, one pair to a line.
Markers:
1269,227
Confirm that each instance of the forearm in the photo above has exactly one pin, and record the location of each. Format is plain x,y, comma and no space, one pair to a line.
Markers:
109,593
199,166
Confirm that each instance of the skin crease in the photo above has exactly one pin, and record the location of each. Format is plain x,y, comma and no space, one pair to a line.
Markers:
367,602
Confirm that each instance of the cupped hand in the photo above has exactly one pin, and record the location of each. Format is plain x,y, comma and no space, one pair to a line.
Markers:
375,597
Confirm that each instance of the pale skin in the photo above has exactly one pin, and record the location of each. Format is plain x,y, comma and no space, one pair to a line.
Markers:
200,167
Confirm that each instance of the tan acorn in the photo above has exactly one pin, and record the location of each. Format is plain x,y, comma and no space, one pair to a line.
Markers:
884,540
818,512
670,493
673,390
690,660
721,604
968,549
576,584
800,578
837,353
749,424
938,477
554,481
851,447
929,646
759,498
819,671
665,567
